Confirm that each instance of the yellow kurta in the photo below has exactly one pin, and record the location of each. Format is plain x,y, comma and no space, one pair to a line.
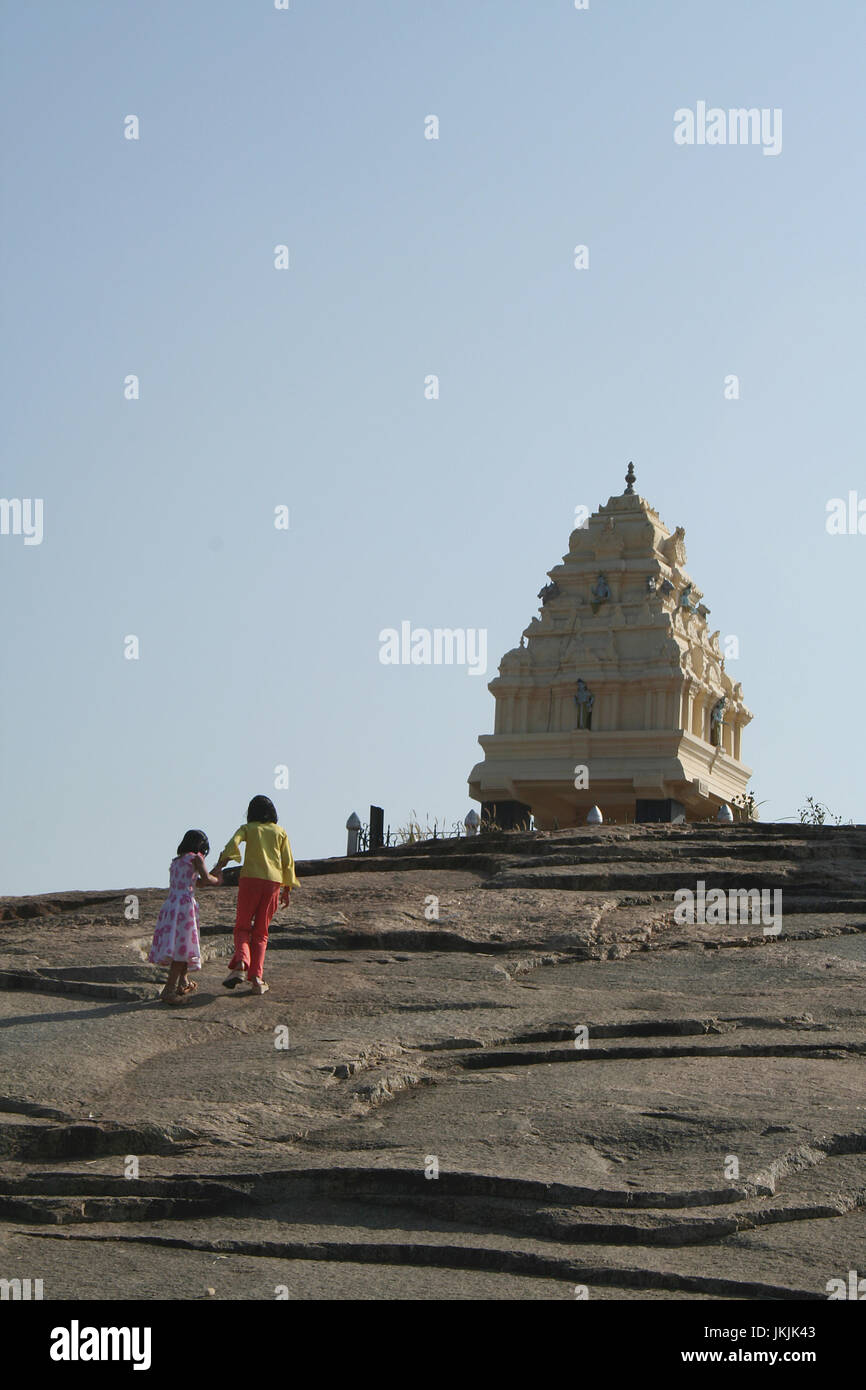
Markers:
269,854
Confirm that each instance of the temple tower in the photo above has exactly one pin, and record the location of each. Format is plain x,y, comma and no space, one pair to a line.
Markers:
618,694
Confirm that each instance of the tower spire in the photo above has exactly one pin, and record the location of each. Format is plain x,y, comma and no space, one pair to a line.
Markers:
630,479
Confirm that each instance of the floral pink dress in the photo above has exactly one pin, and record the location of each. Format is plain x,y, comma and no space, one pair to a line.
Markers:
176,934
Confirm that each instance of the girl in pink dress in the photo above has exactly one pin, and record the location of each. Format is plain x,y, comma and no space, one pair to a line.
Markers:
175,940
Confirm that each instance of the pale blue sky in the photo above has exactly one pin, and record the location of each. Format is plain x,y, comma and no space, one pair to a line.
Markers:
305,387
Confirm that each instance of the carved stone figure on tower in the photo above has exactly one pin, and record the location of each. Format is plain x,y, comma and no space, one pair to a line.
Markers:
584,699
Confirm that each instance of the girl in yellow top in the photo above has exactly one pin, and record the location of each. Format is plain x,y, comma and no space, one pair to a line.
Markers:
268,863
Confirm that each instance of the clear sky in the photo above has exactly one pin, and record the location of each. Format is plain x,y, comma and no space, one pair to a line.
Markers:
305,387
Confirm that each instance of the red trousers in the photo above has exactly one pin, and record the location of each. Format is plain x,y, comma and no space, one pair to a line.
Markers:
258,900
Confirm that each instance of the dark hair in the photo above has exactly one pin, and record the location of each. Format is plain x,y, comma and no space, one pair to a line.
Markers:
261,808
194,842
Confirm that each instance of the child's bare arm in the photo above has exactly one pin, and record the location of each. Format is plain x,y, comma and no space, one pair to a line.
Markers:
203,875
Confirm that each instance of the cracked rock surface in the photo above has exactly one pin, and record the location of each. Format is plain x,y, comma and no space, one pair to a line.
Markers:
550,1084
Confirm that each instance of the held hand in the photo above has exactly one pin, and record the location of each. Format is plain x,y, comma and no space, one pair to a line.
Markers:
284,896
217,875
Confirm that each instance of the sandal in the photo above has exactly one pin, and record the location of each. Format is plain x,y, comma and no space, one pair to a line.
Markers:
170,998
189,988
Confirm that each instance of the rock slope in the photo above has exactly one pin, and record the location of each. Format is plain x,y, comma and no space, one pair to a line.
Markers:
485,1069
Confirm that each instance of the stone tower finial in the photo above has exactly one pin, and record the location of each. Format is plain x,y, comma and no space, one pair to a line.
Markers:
630,479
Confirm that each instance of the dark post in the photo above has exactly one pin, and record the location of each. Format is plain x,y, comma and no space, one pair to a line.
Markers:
377,826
